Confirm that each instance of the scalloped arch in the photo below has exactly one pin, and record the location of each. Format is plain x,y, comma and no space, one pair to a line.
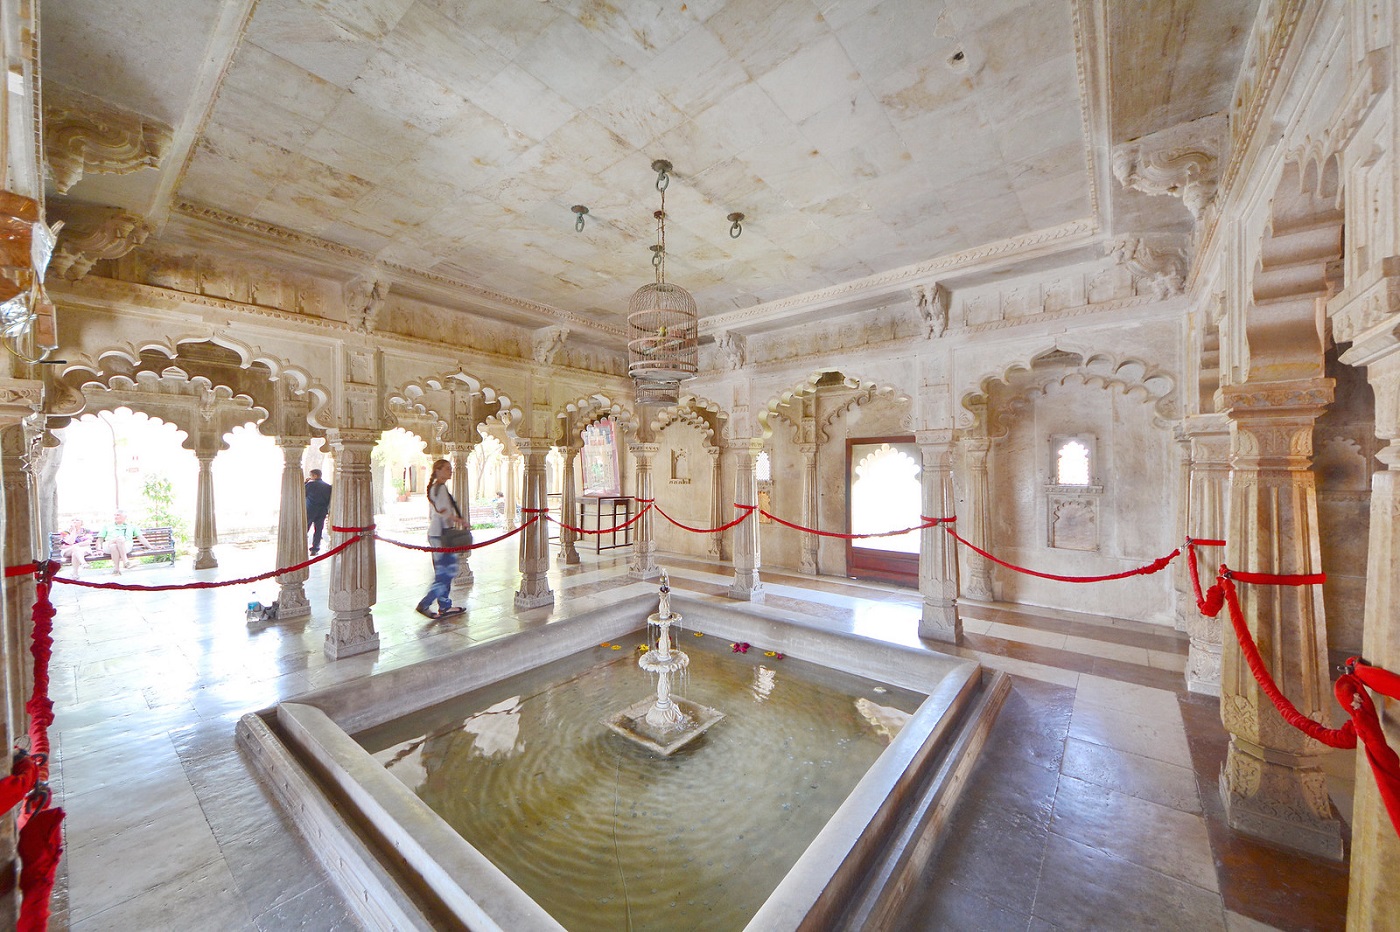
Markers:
1135,377
412,395
809,386
98,372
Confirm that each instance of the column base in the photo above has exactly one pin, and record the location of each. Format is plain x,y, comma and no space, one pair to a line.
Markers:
1283,803
747,593
569,556
350,635
464,579
808,567
205,560
533,597
1203,669
979,589
647,570
941,622
292,601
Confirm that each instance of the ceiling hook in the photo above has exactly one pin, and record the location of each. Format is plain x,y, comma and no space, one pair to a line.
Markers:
579,210
736,224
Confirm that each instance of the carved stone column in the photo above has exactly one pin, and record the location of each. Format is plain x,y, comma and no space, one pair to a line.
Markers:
16,441
1207,501
206,532
976,522
1273,784
808,560
643,565
534,588
715,544
512,461
354,578
291,532
938,555
1374,893
462,492
747,584
568,551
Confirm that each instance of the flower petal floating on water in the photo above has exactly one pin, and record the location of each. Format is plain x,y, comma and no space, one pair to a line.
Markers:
698,634
643,648
741,648
617,647
605,644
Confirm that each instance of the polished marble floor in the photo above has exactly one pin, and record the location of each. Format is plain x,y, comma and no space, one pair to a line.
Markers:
1094,807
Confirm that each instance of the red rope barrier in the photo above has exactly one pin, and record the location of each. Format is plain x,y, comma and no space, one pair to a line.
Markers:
40,842
1364,721
485,543
612,530
220,584
1155,566
1208,604
925,523
747,510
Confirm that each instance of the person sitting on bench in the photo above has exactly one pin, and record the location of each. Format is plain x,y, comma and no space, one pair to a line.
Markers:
117,538
74,545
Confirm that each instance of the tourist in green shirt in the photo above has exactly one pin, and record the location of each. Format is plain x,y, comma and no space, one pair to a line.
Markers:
117,538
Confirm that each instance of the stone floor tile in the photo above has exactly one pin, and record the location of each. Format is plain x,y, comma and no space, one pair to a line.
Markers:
1166,840
1125,731
1132,774
106,871
1106,649
1088,889
204,899
948,907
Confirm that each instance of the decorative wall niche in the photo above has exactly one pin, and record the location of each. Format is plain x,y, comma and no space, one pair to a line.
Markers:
1072,496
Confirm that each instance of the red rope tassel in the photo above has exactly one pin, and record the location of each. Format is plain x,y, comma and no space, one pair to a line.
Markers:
40,847
24,773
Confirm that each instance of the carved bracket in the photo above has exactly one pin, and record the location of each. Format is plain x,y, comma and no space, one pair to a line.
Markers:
93,234
1182,161
1160,269
84,135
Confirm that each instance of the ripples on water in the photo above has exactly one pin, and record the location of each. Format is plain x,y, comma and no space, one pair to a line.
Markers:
607,835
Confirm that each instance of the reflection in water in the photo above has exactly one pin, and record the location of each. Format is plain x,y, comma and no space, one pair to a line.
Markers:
886,720
764,680
497,728
604,834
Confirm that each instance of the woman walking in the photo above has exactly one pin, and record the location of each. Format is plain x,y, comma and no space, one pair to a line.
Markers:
442,514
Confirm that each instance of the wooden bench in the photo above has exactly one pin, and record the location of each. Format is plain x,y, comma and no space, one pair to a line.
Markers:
162,545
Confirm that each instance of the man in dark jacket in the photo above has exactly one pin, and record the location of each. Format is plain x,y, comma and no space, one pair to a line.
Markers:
318,505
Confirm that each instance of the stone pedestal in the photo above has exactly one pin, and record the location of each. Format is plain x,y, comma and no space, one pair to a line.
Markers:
938,557
747,585
975,522
291,532
568,549
810,542
206,532
1373,900
1273,785
354,578
534,588
1208,437
714,546
462,492
643,565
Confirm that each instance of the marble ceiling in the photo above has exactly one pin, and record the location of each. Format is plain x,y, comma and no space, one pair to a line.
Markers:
870,143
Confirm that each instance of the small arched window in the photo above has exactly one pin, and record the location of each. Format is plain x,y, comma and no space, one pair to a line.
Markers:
1072,463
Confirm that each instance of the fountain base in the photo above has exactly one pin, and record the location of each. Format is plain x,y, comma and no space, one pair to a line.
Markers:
632,724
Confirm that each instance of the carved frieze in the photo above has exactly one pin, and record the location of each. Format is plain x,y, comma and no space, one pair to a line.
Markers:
84,135
93,233
364,299
1182,161
1159,269
933,302
547,344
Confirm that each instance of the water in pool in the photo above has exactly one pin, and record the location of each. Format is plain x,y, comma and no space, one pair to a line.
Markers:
606,835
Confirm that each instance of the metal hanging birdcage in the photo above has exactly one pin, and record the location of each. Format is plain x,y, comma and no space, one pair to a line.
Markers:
663,344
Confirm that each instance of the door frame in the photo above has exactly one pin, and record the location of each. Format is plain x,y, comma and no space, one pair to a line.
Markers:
884,565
